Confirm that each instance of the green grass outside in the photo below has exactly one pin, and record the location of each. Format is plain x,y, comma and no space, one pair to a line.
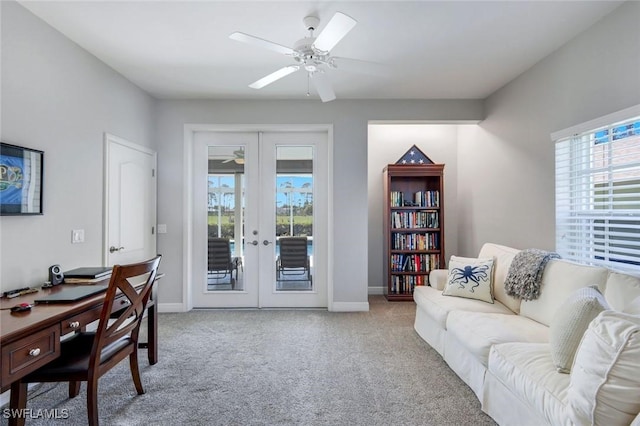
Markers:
301,220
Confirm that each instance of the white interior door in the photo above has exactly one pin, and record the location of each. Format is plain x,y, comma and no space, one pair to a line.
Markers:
242,208
130,202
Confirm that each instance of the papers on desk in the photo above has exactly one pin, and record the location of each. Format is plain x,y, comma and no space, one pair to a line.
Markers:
83,280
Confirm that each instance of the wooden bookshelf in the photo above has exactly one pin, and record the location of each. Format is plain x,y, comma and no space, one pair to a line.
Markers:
413,226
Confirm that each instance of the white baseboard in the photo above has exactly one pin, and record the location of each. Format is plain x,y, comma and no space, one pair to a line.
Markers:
350,307
170,307
376,290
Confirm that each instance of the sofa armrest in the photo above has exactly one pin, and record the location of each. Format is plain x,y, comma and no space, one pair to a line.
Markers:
438,278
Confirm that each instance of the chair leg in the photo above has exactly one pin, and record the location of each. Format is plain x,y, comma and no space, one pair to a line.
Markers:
74,389
92,401
135,372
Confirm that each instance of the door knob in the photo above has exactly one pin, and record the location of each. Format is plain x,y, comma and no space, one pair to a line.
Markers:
254,242
266,242
113,249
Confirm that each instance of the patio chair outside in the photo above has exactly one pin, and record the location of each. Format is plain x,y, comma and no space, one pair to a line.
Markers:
293,261
220,261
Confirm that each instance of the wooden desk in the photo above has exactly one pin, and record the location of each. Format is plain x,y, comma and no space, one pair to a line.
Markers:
31,339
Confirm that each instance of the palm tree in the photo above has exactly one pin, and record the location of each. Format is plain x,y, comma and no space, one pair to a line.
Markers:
289,193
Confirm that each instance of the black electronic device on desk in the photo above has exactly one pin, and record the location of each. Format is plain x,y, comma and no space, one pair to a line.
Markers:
90,272
71,294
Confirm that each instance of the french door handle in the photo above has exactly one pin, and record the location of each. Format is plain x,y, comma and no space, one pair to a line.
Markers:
267,242
113,249
254,242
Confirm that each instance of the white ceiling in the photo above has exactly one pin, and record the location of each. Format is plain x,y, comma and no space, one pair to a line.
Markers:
428,49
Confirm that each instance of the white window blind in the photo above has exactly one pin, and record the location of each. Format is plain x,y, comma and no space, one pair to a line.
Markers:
598,196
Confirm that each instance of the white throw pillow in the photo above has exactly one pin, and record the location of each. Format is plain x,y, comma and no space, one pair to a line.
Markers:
633,307
605,378
570,322
470,278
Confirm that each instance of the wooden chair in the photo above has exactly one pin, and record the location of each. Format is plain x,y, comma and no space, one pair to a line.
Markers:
220,263
293,258
86,356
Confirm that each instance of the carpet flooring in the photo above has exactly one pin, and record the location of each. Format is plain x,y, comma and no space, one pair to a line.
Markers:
280,367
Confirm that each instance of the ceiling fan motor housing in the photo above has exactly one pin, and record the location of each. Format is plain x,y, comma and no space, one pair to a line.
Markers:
307,55
311,22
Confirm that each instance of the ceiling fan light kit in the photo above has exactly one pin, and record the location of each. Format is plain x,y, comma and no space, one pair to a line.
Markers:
311,53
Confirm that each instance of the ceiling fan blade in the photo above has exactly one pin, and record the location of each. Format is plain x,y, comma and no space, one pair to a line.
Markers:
256,41
323,86
282,72
336,29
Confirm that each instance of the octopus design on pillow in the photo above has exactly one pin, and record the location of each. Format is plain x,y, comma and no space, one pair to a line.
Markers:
468,274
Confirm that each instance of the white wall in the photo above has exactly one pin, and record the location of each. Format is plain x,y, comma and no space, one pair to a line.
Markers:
58,98
350,213
506,164
387,143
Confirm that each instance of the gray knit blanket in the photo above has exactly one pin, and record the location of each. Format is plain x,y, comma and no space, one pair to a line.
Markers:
524,278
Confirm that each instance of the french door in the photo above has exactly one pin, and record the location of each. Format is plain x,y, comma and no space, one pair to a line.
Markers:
259,219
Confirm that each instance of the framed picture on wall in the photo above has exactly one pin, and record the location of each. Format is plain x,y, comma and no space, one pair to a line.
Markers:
21,176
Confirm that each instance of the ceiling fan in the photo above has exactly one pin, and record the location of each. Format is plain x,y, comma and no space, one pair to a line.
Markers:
310,53
238,157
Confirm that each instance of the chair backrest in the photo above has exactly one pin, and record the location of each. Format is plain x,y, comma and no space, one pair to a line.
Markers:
293,252
219,256
134,281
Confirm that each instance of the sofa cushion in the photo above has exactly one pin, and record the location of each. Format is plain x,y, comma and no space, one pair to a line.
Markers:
470,278
570,322
478,331
502,258
633,307
438,306
438,278
528,371
605,378
560,279
621,289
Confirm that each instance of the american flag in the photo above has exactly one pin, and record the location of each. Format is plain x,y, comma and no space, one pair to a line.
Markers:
414,157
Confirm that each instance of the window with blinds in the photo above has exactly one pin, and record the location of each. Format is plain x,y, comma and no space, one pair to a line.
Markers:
598,196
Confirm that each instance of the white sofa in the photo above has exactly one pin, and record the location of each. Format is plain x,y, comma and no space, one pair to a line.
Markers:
502,350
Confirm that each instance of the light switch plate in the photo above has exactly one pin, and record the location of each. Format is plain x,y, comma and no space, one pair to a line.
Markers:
77,236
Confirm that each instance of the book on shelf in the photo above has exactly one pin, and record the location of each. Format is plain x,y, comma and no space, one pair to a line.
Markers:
415,241
414,219
414,262
420,199
406,284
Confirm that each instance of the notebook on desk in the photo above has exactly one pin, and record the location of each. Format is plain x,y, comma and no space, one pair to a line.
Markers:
89,272
72,294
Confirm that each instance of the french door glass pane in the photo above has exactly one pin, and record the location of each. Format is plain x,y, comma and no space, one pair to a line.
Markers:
294,218
225,218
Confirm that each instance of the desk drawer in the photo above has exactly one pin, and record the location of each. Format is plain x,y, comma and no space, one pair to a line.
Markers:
78,322
29,353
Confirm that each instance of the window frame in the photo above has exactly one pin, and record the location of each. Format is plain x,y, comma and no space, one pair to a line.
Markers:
596,218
